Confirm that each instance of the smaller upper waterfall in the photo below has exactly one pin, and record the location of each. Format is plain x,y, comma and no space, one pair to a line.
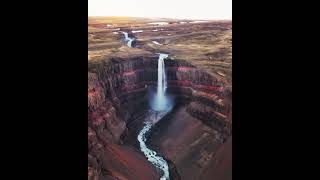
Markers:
127,39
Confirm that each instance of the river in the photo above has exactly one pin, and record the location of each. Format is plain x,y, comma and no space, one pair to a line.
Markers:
160,106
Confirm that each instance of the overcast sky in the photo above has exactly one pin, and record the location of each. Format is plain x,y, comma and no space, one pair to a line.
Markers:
189,9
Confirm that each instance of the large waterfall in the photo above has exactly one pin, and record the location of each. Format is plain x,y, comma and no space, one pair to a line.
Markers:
160,102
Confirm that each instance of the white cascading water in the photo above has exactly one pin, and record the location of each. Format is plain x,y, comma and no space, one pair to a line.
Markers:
128,39
160,102
160,107
151,155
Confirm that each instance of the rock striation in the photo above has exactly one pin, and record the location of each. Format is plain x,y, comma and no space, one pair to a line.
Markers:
118,93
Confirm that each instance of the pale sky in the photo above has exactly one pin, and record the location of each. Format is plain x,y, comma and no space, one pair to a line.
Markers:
183,9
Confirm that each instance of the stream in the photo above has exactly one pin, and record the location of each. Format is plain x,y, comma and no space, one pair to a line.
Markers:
160,107
127,39
158,161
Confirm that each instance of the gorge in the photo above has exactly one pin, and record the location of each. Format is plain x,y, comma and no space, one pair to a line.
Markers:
152,116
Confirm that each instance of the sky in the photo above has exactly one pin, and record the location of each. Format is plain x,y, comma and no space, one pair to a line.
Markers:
181,9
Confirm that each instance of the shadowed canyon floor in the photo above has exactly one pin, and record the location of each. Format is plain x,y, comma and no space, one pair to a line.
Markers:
195,137
189,143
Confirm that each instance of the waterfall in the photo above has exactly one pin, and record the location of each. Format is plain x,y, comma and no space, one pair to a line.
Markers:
162,81
161,105
160,102
128,39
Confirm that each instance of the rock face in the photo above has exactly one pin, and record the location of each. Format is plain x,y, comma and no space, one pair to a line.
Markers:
107,158
192,145
117,94
174,174
220,166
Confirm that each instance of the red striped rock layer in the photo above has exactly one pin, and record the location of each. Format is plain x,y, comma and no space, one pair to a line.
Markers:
117,92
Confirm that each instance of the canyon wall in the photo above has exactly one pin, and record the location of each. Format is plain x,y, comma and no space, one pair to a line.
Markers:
107,158
117,93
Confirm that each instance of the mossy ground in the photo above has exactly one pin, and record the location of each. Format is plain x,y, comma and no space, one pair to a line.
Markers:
206,45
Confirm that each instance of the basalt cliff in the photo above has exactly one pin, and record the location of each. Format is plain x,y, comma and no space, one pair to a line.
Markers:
118,95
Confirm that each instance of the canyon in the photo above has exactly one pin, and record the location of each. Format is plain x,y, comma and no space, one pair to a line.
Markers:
194,138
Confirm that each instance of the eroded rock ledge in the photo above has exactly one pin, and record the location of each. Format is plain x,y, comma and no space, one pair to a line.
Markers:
117,93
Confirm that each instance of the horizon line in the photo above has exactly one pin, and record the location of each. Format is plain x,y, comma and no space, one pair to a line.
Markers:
151,17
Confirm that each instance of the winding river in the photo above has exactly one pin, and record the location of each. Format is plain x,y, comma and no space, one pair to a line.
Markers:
160,108
158,161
